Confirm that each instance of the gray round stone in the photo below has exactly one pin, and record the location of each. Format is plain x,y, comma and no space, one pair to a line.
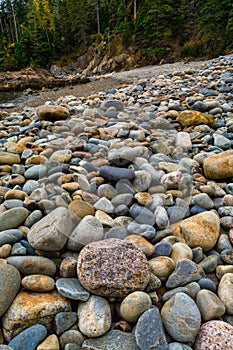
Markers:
29,338
71,288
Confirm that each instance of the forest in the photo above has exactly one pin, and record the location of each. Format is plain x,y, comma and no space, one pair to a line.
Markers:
44,32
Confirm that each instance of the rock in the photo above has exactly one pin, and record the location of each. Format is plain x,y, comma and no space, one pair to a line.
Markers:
225,290
145,230
9,158
114,339
134,304
221,141
63,321
51,233
186,271
191,117
181,318
9,285
142,215
10,236
31,308
72,289
149,332
71,337
79,209
146,247
112,268
30,265
94,316
38,283
214,335
13,218
114,173
52,113
181,251
219,166
89,230
162,248
35,172
61,156
29,338
201,230
50,343
162,267
210,306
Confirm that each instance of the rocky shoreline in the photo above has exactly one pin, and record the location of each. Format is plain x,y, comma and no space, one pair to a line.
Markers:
116,216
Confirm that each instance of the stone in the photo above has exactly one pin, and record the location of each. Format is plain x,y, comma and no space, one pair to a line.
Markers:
161,217
146,247
94,316
9,285
142,215
72,289
191,117
225,290
9,158
35,172
134,304
13,218
149,331
162,267
79,209
162,249
178,346
114,173
200,230
29,338
183,139
52,231
63,321
10,236
210,306
61,156
214,335
52,113
31,308
219,166
105,205
89,230
181,251
181,318
114,339
113,268
38,283
186,271
50,343
71,336
30,265
143,230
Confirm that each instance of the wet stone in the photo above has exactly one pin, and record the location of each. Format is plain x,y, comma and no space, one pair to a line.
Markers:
102,272
72,289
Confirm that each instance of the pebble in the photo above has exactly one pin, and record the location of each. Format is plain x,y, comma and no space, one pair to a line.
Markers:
29,338
122,192
134,305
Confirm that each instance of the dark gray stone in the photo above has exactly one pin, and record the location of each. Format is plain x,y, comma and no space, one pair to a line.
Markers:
64,320
115,174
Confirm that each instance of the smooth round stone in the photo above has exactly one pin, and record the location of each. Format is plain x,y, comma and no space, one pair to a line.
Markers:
223,269
61,156
89,230
201,230
105,205
9,158
162,249
181,251
38,283
142,215
10,236
146,247
94,316
162,267
29,338
177,213
142,180
134,304
227,256
30,186
209,264
12,218
178,346
226,222
114,173
181,318
67,267
219,166
124,187
221,141
209,305
30,308
102,272
149,332
116,232
114,339
107,191
52,231
5,250
214,335
52,113
186,271
79,209
35,172
32,218
13,203
123,198
207,283
117,104
225,291
9,285
31,265
63,321
197,254
71,337
161,217
143,230
50,343
71,288
203,200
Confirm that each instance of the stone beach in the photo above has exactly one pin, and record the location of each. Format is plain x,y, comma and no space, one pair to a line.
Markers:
116,216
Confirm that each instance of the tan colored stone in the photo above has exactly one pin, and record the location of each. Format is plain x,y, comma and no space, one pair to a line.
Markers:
134,304
191,117
38,283
16,194
52,113
9,158
70,186
50,343
5,250
143,198
181,251
62,156
30,308
104,218
219,166
210,306
162,267
14,147
146,247
222,270
36,159
225,292
201,230
79,209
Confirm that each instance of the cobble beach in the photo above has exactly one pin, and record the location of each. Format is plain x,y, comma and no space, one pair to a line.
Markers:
116,214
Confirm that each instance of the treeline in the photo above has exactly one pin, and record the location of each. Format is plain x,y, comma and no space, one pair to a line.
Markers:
41,32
